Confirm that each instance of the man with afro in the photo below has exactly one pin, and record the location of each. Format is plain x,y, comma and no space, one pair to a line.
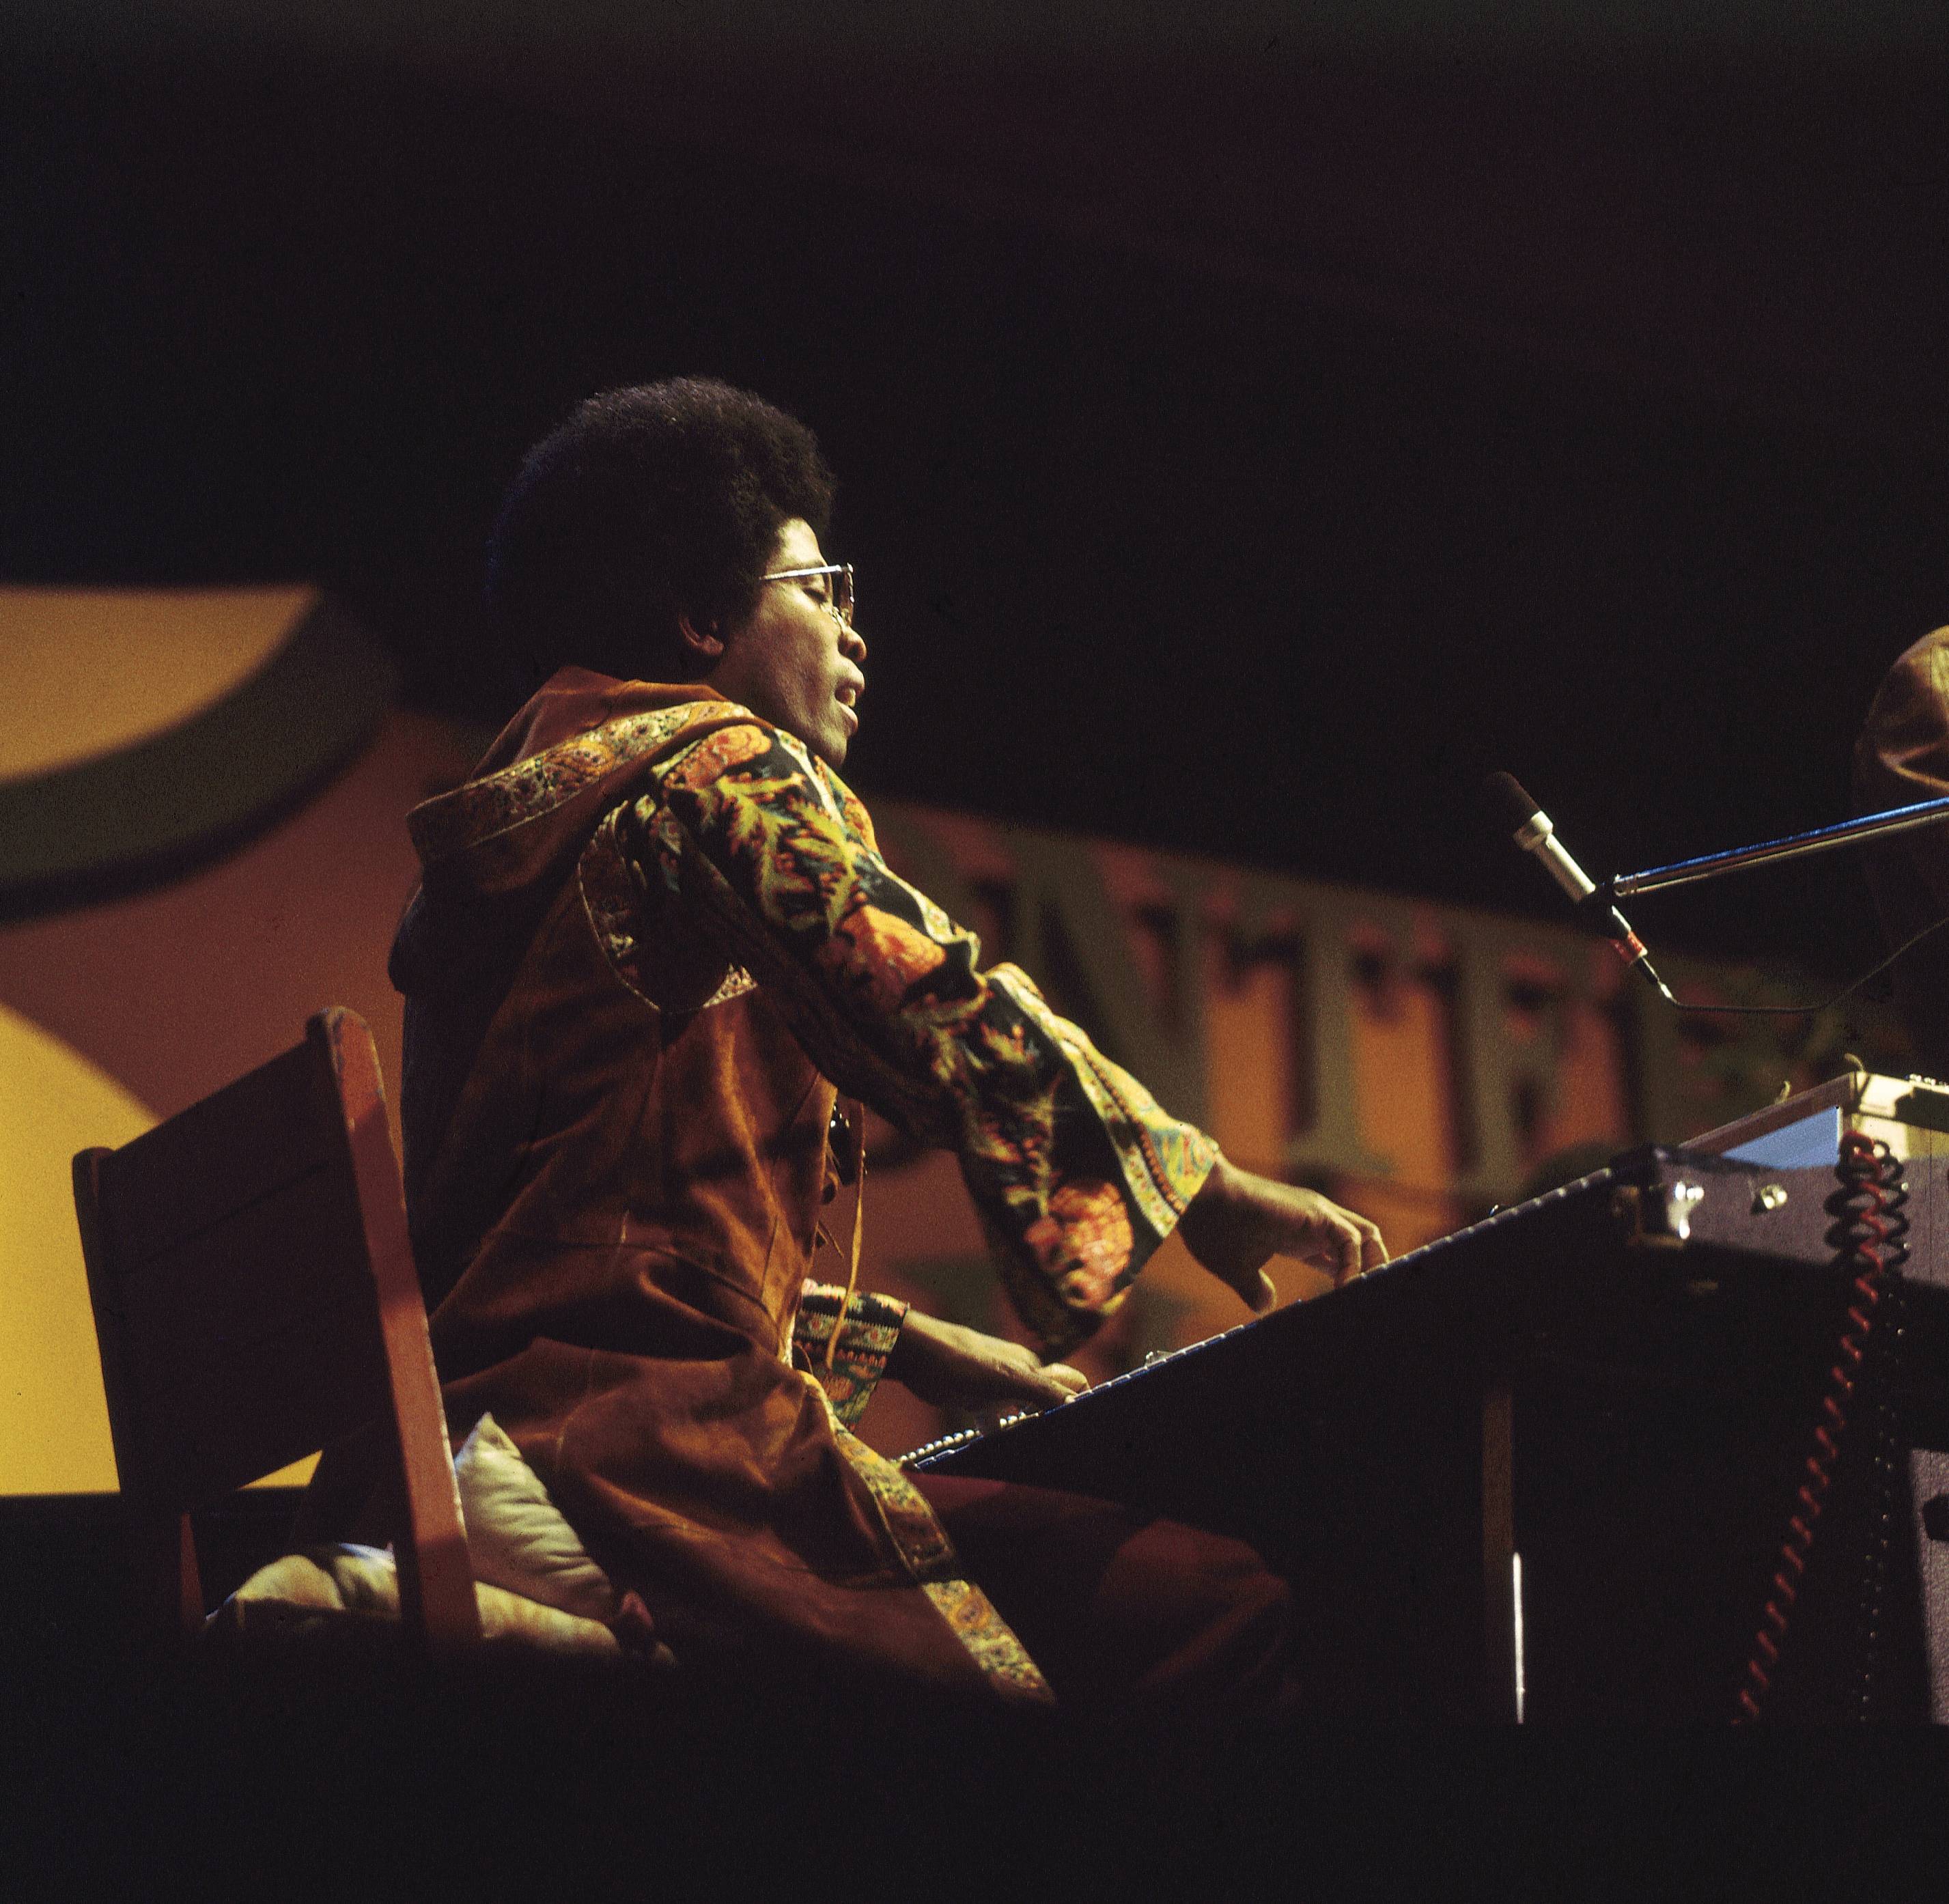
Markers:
654,947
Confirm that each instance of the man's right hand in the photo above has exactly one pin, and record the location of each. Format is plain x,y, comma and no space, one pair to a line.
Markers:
955,1367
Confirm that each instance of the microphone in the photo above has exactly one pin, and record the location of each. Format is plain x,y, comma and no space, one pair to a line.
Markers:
1532,831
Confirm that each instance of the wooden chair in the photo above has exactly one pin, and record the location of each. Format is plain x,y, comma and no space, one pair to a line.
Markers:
255,1300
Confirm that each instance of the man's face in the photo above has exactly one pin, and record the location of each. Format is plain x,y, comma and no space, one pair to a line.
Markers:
791,659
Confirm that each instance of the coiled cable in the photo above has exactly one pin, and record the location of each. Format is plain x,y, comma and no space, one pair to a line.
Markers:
1871,1195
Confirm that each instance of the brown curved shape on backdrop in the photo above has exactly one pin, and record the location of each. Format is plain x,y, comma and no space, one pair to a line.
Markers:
167,804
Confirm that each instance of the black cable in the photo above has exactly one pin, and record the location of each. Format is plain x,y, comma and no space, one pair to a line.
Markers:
1848,990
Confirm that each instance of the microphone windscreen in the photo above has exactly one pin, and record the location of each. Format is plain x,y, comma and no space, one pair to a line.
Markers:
1506,799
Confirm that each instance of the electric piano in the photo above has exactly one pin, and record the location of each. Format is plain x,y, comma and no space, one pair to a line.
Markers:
1556,1466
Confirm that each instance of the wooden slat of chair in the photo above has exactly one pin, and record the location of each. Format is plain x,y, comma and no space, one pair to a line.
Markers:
255,1300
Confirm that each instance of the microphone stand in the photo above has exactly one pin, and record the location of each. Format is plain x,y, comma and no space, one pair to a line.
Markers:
1685,872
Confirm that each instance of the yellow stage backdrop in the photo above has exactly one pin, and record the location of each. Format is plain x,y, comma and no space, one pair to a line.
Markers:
90,672
1422,1061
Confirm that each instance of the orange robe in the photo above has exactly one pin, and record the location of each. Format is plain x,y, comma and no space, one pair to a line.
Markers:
653,940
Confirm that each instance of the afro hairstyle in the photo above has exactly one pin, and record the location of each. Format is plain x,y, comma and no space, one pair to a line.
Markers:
649,503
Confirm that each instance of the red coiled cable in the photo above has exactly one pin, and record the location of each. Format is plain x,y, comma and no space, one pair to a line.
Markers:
1864,1172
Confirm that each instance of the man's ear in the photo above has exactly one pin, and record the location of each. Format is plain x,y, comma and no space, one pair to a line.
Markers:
702,640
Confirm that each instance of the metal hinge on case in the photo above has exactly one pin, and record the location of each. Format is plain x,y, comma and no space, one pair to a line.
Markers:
1660,1217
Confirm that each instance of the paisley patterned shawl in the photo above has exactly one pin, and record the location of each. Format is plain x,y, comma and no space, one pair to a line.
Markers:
1077,1173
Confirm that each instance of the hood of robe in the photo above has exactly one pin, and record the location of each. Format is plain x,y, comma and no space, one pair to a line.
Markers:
493,852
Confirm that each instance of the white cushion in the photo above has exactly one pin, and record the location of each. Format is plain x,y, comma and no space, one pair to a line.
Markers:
303,1595
515,1534
534,1580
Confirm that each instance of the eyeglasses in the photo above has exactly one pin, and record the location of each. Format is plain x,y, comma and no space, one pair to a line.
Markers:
837,600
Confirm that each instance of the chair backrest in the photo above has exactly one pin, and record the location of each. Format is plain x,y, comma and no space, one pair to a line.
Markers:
255,1300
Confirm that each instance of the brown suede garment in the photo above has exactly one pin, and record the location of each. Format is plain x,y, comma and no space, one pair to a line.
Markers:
613,1189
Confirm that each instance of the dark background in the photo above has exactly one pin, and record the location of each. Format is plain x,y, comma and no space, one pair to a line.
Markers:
1253,426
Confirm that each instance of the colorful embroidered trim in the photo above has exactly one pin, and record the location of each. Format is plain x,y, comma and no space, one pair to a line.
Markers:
866,1336
1164,1162
612,901
929,1556
991,1641
484,808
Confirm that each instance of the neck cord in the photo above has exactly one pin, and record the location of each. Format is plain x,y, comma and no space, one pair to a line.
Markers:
858,1225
